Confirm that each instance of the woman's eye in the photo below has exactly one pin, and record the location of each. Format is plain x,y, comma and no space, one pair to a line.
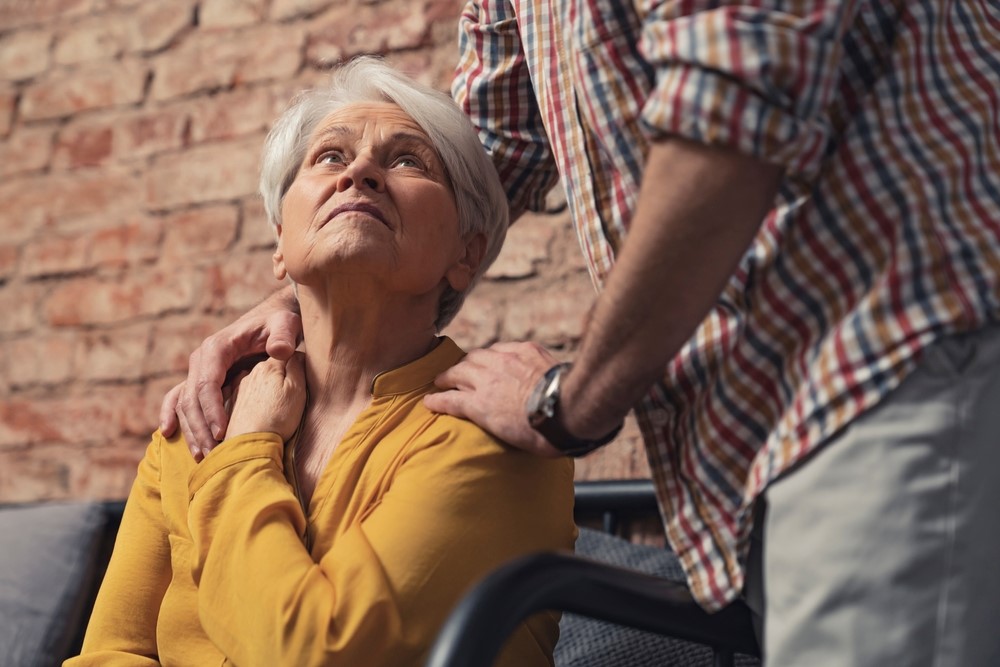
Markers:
407,161
331,157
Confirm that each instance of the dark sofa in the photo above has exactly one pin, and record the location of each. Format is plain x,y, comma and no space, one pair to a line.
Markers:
52,559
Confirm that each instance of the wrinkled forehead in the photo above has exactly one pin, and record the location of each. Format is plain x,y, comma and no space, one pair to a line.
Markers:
370,120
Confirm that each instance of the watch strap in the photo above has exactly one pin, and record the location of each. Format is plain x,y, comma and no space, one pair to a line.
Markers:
551,427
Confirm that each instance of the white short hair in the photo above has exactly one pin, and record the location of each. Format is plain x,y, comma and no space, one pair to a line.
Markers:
479,197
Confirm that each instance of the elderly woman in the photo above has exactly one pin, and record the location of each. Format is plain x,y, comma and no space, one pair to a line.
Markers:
339,525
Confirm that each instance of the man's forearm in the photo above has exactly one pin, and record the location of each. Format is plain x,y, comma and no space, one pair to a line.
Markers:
698,211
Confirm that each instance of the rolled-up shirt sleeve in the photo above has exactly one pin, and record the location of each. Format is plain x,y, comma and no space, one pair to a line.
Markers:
757,77
493,86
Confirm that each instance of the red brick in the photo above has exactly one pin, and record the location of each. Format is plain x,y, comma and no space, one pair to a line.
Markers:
98,416
527,245
478,323
565,249
445,12
94,220
25,422
434,68
255,231
43,472
145,418
112,246
54,255
348,30
174,339
242,282
156,25
8,99
228,115
29,12
126,136
200,231
105,301
91,87
213,60
98,471
231,13
553,314
39,359
18,303
27,149
128,244
84,145
211,173
113,354
10,253
24,54
110,469
625,458
148,132
94,38
138,415
59,201
282,10
5,389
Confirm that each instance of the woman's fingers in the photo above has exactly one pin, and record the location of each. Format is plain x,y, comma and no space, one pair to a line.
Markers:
270,399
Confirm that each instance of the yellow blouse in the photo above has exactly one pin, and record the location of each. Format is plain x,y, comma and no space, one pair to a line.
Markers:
212,567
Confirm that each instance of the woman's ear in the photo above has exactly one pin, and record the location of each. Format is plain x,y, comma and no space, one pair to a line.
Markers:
460,275
278,258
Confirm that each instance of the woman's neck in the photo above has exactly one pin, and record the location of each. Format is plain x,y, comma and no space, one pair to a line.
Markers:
350,340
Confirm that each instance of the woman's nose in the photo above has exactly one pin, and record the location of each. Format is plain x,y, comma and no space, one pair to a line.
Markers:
362,173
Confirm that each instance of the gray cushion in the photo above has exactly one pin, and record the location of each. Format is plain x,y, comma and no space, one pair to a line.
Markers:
47,566
585,642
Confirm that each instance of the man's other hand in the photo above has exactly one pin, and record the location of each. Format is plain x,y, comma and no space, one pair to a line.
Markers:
491,388
196,405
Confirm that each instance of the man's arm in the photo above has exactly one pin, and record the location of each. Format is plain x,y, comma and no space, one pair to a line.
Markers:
196,405
699,209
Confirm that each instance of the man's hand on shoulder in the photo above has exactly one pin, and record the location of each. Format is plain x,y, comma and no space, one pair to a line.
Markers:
490,387
196,405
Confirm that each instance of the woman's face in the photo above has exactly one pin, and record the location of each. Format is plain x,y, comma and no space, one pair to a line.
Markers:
372,198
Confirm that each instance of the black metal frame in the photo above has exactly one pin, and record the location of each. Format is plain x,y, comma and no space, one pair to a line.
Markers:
478,627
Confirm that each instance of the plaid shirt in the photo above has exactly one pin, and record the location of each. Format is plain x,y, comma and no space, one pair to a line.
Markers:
884,236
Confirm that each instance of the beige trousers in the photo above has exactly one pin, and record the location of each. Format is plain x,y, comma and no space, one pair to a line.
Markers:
883,548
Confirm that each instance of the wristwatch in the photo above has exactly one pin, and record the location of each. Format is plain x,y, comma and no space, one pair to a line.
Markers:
543,415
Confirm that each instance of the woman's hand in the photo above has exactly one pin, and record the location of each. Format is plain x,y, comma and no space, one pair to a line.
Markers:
270,399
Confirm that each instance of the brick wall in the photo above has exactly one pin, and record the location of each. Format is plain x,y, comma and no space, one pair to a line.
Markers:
129,226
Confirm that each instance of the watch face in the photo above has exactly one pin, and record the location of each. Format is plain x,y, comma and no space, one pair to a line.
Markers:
545,395
535,415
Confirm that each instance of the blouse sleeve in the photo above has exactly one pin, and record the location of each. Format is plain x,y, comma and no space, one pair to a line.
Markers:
453,512
122,628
